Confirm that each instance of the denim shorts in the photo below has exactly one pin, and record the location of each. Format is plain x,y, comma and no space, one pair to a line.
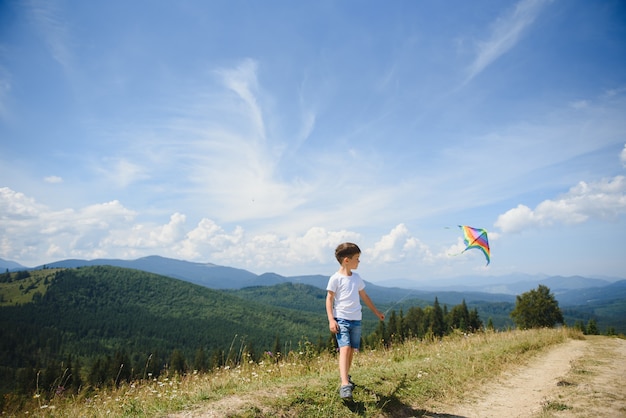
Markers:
349,333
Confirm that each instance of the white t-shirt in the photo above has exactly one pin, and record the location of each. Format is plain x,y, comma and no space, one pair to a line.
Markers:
347,301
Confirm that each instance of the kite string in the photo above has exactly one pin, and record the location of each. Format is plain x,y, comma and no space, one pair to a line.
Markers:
398,301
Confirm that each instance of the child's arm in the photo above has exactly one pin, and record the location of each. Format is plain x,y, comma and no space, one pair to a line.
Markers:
332,324
365,297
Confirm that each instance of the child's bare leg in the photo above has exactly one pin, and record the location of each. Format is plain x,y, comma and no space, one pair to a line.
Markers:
345,360
351,357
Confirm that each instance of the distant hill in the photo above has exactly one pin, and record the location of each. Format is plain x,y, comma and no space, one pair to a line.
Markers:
93,312
218,277
514,284
157,305
606,305
10,265
557,285
96,311
593,295
449,291
308,298
205,274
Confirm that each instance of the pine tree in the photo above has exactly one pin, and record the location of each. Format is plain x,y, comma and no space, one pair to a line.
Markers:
592,327
391,336
201,362
276,347
177,362
217,359
415,322
475,324
437,324
402,329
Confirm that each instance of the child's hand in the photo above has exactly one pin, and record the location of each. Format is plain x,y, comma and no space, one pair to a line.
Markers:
333,326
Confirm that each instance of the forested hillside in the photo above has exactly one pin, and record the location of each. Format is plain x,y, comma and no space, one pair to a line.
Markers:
605,303
310,298
101,325
107,316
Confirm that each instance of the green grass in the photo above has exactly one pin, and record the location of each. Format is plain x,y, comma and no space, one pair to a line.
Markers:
555,406
405,380
20,292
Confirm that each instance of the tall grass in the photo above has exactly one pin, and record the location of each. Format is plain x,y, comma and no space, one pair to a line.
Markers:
405,379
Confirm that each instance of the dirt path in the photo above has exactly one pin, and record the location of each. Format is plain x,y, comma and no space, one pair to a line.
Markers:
580,378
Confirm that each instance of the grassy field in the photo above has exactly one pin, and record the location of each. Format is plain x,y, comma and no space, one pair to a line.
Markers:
19,292
390,382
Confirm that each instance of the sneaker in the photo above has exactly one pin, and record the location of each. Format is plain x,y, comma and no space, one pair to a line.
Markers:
345,392
351,382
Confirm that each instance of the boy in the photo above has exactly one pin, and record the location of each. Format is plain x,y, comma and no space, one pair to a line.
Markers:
345,289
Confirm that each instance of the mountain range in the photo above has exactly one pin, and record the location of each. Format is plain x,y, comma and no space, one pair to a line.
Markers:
147,310
569,291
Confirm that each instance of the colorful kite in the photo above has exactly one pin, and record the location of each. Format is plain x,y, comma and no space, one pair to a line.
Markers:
476,238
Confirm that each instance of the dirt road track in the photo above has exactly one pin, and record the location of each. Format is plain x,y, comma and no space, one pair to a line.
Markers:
581,378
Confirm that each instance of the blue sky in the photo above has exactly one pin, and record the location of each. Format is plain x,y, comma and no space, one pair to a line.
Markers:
260,135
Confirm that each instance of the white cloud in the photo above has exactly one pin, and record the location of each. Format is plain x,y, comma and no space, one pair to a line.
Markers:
34,234
505,34
579,104
31,231
208,238
622,156
603,200
16,206
397,246
49,21
614,92
263,251
143,237
53,179
242,80
121,171
215,149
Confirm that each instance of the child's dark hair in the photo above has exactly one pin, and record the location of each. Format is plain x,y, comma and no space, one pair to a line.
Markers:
347,249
